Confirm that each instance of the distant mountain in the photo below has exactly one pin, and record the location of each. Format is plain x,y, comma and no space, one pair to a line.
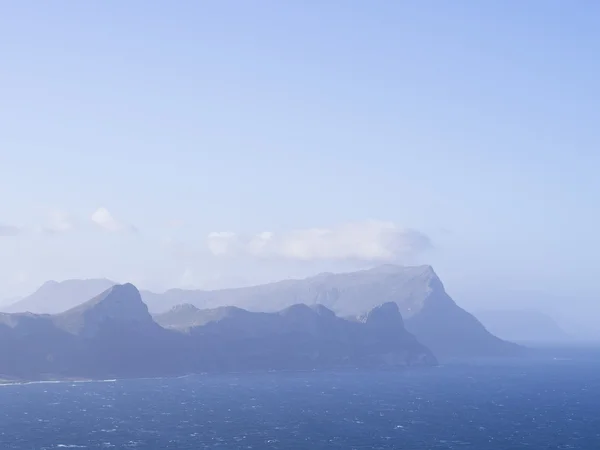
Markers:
298,337
187,316
524,326
55,297
111,335
429,313
114,335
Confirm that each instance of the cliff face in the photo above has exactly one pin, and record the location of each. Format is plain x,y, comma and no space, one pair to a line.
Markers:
110,335
119,306
429,312
384,330
113,335
299,336
450,331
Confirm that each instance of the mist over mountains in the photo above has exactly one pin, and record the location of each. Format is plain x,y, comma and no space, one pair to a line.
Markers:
114,335
55,297
428,312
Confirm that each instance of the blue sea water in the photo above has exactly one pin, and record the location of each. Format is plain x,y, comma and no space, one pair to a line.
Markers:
543,405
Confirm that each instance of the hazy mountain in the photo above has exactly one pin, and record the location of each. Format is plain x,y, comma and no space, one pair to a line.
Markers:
346,293
299,336
525,326
430,314
111,335
114,335
187,316
55,297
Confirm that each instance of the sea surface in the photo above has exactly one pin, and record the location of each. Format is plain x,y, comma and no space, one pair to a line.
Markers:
553,404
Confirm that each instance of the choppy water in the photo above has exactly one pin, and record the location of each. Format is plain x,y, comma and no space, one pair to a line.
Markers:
552,405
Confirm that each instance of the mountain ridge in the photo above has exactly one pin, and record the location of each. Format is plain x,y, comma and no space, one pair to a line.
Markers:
114,335
427,310
120,304
58,296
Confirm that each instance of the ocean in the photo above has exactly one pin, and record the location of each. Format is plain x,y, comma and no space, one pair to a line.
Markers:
543,405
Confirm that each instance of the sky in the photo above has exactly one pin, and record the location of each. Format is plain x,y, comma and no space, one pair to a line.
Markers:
212,144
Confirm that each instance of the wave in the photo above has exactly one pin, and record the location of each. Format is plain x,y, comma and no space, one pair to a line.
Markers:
27,383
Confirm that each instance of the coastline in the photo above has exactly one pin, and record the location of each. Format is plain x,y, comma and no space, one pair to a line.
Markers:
17,382
58,379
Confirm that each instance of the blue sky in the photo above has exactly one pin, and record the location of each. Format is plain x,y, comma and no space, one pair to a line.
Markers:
473,124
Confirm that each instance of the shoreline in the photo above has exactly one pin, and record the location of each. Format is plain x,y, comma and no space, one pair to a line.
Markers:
57,380
13,382
463,363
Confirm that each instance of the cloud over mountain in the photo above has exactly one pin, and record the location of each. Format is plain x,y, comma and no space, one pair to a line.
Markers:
375,241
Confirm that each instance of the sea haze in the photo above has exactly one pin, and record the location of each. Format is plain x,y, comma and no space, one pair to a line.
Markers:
540,405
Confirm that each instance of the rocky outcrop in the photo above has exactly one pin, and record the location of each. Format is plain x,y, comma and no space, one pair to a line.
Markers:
429,312
110,335
119,306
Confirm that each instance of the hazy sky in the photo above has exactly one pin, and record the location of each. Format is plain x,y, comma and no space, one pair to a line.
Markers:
220,143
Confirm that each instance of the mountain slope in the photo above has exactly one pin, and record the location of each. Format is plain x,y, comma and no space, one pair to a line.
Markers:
110,335
299,336
188,316
429,313
114,335
120,305
55,297
346,293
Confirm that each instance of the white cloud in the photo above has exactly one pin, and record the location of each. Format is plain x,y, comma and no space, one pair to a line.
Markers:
373,241
9,230
104,219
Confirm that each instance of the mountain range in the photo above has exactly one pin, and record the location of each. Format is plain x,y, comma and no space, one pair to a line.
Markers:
114,335
55,297
428,311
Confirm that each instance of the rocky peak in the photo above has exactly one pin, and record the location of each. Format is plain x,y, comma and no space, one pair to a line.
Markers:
184,308
323,311
118,304
298,310
386,315
122,301
59,296
188,316
303,312
391,269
